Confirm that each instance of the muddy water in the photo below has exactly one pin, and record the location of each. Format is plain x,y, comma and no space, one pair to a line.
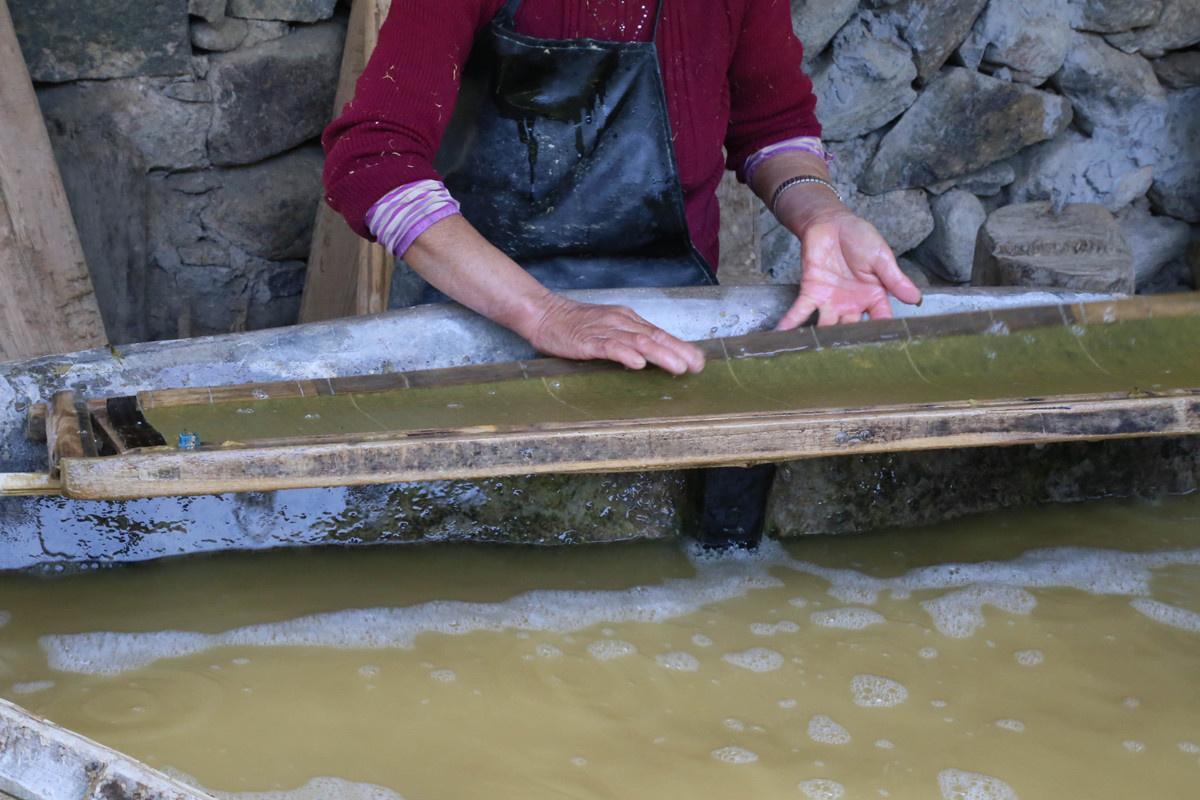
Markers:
1038,654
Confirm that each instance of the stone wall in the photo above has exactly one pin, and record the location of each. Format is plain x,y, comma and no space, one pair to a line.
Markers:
187,135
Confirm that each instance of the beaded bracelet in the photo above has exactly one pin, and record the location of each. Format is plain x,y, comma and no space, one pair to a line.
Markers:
799,179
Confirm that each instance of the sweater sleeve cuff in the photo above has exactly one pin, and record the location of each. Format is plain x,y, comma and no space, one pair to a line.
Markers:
801,144
404,213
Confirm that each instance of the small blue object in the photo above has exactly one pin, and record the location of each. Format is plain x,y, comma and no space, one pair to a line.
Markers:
188,441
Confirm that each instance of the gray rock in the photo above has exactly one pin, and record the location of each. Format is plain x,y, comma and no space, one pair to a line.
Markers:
1178,70
987,182
1074,168
915,272
230,33
1176,190
272,97
1113,16
816,23
961,123
950,249
268,209
867,83
290,10
867,492
1177,27
935,28
1111,89
1193,262
902,217
168,133
1027,244
1029,39
1154,241
67,40
208,10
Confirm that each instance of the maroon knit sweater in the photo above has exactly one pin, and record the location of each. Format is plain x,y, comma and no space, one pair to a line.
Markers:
731,69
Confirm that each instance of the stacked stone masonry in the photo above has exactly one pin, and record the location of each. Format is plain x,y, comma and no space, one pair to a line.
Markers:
187,131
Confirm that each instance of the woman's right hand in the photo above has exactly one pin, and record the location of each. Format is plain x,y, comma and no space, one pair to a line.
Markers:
452,256
570,329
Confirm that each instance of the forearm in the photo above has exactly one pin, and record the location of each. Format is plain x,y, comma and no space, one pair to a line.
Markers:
453,257
802,204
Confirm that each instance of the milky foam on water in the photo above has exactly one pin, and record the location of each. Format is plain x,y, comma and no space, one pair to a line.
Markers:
872,691
823,729
734,755
5,618
822,789
756,659
29,687
548,651
957,784
1011,724
608,649
851,619
1029,658
718,577
772,628
679,660
1167,614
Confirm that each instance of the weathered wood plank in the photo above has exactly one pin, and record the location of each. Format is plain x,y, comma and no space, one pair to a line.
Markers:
46,300
646,444
63,437
346,274
43,761
18,484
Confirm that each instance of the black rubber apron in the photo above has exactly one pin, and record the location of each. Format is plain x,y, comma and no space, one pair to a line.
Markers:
560,154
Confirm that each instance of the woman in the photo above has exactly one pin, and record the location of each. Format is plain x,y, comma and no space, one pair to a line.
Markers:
584,151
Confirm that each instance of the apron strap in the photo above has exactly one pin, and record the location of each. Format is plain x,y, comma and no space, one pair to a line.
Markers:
511,6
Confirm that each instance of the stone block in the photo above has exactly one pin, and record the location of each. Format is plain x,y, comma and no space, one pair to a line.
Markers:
867,82
987,182
902,217
950,249
169,133
935,29
271,98
289,10
1110,89
1176,191
208,10
268,209
1177,27
816,23
860,493
1154,241
1029,39
230,33
961,123
1193,262
1106,168
1081,248
1113,16
67,40
1178,70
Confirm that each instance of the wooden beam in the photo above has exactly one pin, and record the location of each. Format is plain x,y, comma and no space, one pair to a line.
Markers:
346,274
608,446
46,300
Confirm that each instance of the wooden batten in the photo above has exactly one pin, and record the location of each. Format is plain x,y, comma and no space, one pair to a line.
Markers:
46,300
617,446
347,275
20,484
63,436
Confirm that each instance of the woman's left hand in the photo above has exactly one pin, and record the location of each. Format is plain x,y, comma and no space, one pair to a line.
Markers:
847,270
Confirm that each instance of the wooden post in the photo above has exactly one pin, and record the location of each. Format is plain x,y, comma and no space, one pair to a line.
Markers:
46,300
348,275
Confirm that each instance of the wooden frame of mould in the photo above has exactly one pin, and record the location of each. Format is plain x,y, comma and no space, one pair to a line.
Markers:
144,466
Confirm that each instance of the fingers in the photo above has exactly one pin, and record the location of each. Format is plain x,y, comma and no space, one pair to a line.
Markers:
616,333
798,314
895,281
